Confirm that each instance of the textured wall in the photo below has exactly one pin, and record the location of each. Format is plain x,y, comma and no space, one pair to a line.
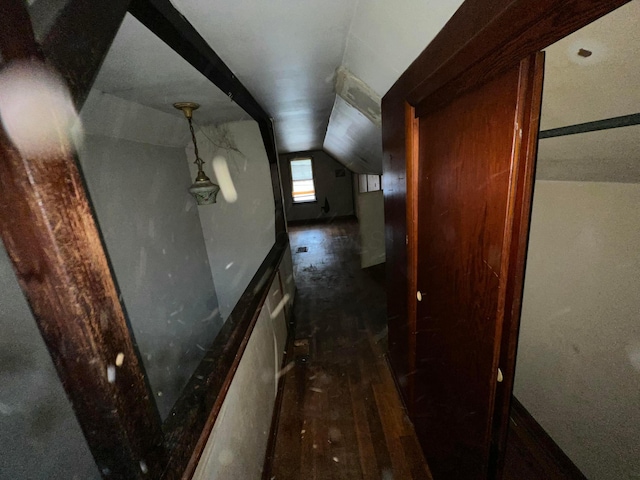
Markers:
578,367
238,235
39,434
138,182
237,445
371,220
337,190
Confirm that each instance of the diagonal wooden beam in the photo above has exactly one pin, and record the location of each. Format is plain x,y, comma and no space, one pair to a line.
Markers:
162,18
76,41
52,239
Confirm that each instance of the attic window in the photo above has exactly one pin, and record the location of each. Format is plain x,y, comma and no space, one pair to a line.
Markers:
303,188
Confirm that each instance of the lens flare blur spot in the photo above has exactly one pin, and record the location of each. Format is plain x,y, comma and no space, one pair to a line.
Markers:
36,110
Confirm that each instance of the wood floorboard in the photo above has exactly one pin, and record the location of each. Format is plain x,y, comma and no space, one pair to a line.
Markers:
341,416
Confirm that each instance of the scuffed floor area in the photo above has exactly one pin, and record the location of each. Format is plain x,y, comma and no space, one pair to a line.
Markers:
341,416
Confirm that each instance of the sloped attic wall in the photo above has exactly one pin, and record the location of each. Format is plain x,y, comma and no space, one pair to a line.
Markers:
238,233
578,367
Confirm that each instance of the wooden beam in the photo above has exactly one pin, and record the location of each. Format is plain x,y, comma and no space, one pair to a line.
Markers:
78,40
51,237
163,19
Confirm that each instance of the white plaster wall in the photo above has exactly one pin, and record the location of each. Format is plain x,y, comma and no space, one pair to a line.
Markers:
337,190
134,163
239,235
39,434
237,445
371,220
578,366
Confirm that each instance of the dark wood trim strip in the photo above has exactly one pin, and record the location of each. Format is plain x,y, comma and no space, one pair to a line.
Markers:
79,40
412,139
403,400
523,424
606,124
189,425
321,220
524,177
54,245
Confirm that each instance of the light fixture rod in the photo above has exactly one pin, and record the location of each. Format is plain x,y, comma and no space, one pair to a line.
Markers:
203,189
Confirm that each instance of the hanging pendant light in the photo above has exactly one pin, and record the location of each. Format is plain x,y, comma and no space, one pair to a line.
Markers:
203,189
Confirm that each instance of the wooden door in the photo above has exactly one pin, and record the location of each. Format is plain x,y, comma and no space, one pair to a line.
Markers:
475,172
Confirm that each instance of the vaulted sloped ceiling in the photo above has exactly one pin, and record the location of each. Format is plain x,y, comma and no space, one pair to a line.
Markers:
286,52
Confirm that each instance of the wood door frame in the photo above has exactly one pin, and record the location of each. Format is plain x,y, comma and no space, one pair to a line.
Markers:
480,41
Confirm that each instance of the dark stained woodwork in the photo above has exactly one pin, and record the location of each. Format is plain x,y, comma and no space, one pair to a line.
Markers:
189,425
469,155
279,218
521,213
481,41
56,251
516,29
412,139
395,212
531,452
16,32
79,40
75,51
341,415
52,240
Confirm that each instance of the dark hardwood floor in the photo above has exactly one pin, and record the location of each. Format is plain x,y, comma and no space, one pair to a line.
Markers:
341,416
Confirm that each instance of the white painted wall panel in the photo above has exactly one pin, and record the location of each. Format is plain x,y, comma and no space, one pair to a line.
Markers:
578,366
237,445
371,219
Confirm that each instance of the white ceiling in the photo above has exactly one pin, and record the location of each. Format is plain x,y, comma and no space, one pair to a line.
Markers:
604,85
286,53
141,68
579,90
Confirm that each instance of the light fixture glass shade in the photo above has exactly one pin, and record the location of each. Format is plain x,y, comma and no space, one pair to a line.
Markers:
204,190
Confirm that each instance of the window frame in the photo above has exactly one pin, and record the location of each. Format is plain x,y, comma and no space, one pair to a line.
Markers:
313,179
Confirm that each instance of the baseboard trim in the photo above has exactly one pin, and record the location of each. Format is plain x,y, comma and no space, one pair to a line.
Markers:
397,384
524,423
320,220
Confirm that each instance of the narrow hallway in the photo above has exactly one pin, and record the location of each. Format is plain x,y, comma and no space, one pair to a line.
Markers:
341,416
